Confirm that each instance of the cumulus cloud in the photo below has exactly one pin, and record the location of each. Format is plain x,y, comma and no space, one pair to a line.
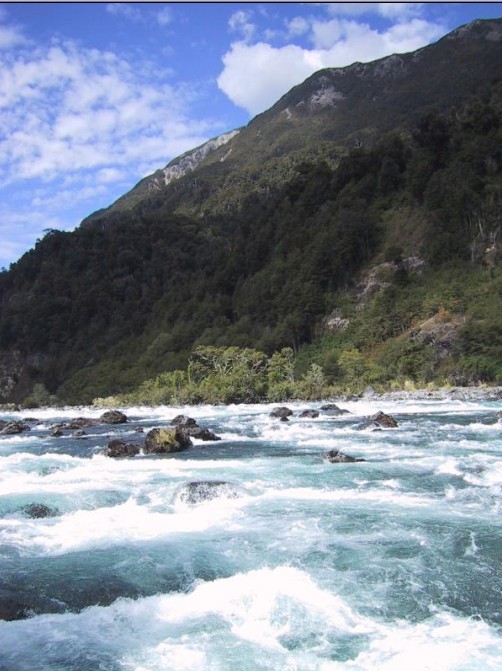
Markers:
240,22
67,109
79,127
164,16
125,10
10,35
255,76
391,10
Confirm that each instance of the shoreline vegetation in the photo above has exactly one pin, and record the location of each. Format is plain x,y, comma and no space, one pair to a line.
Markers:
233,375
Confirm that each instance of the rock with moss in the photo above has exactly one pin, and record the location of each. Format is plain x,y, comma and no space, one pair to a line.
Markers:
166,440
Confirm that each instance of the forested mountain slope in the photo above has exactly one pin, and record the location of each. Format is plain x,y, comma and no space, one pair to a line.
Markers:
356,222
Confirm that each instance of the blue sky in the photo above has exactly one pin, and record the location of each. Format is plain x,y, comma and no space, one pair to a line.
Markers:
94,96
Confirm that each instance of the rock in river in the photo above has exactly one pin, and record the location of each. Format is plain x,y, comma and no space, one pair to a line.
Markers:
39,510
337,457
162,441
113,417
281,411
206,490
119,448
386,421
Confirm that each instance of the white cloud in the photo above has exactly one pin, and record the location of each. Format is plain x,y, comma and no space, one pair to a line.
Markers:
125,10
255,76
164,16
240,22
297,26
10,35
390,10
67,109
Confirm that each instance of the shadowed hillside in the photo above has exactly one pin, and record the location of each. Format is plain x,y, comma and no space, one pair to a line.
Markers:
356,222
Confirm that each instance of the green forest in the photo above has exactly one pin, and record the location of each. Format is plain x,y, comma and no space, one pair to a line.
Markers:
153,305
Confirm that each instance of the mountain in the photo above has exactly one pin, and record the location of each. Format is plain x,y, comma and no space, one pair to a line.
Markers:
354,221
332,111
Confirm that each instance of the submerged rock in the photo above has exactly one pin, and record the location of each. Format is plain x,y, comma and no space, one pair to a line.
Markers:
337,457
119,448
309,413
386,421
162,441
15,605
206,490
80,423
333,409
368,424
39,510
280,412
113,417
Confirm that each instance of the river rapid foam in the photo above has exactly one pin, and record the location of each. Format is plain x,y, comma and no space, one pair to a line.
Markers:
254,552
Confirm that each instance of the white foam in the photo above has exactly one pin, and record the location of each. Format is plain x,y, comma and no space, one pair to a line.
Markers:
129,522
379,496
444,643
253,613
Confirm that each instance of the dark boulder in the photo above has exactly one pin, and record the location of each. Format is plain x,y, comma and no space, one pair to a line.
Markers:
280,412
39,511
206,490
309,413
79,433
190,427
368,425
183,420
383,420
113,417
201,433
119,448
57,432
337,457
80,423
162,441
11,428
333,409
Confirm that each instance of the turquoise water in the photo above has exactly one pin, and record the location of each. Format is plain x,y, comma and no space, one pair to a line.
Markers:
295,564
